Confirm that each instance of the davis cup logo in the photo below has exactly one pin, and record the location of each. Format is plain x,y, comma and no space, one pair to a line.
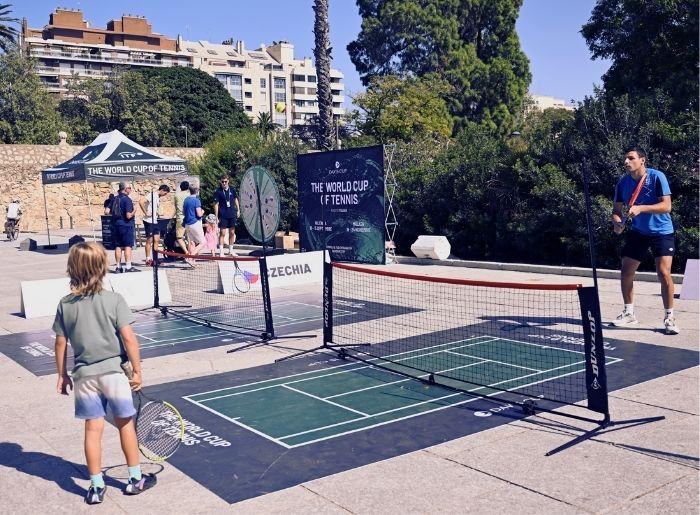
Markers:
337,164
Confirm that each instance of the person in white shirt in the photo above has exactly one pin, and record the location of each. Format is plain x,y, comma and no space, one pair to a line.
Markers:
14,210
150,205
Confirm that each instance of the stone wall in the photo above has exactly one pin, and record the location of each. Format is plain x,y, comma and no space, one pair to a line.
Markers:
20,177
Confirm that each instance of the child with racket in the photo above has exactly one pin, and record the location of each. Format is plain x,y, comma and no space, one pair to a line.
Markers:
211,236
646,194
97,322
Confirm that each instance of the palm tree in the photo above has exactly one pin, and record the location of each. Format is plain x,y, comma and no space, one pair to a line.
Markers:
8,33
265,125
322,52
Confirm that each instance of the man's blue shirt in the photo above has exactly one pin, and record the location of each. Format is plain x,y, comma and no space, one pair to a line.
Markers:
126,206
655,186
189,210
227,202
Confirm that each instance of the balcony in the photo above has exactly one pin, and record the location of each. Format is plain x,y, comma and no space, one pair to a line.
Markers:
122,59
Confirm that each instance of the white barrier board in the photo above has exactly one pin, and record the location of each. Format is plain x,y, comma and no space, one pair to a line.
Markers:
40,298
691,278
137,289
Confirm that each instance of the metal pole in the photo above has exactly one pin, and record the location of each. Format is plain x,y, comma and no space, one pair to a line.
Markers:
46,213
92,222
589,222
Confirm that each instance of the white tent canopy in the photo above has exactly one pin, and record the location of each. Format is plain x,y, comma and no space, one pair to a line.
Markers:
114,157
111,157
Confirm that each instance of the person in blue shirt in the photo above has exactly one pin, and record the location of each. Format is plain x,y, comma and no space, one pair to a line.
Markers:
651,228
192,212
123,224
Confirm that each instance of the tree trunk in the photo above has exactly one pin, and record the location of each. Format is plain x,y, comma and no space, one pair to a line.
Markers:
325,137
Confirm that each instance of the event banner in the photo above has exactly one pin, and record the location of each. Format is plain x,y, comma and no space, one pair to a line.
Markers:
341,203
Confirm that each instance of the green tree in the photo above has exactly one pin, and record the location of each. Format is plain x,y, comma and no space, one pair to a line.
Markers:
236,151
652,45
264,124
130,102
322,53
8,33
394,109
198,101
472,43
27,110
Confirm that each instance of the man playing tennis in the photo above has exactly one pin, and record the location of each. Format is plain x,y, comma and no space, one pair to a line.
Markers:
648,195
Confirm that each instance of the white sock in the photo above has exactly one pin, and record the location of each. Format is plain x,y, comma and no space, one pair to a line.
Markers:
669,313
221,250
230,250
128,264
629,309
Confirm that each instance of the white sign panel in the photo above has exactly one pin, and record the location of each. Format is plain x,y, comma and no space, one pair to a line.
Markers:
283,270
294,269
691,280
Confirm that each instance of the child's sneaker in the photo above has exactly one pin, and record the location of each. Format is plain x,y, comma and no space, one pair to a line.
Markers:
134,487
95,495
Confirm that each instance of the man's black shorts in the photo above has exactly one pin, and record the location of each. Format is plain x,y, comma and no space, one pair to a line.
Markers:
151,229
637,245
225,223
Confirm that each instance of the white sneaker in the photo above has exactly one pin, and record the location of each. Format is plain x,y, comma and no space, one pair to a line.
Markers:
670,325
624,319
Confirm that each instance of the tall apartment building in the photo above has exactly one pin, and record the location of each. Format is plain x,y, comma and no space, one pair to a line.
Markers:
68,46
268,79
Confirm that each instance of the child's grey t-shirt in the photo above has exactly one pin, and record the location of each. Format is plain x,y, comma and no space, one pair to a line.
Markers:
91,323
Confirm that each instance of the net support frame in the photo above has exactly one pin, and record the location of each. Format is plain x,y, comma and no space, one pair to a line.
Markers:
595,368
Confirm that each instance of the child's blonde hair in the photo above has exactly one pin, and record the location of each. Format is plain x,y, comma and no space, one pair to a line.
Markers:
87,266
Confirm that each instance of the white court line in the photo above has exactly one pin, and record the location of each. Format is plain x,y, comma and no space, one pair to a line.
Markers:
235,421
353,364
422,412
347,408
494,361
401,380
186,340
195,326
144,336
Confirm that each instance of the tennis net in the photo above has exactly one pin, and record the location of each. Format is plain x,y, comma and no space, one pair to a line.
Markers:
227,292
517,342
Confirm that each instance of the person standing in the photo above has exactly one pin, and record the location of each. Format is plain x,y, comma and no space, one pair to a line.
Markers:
651,228
180,197
97,323
123,223
193,212
150,205
227,210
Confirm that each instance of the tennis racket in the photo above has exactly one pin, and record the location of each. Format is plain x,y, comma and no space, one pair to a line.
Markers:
159,425
242,279
632,201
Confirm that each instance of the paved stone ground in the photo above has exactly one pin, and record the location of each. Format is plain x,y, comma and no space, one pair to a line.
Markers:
651,468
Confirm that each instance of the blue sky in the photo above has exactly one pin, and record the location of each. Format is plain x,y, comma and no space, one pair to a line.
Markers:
559,59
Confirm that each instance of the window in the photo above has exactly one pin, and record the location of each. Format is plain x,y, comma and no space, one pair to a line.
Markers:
299,103
280,83
281,120
248,108
280,97
212,52
232,83
192,50
232,54
248,94
299,78
312,78
263,83
248,81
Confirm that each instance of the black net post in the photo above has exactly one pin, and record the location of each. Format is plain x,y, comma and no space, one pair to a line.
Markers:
327,302
267,302
589,221
596,375
156,297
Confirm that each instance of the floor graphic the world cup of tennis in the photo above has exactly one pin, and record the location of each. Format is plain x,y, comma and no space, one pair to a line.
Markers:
160,336
259,430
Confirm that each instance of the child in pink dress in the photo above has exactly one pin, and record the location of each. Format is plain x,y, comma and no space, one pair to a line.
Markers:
211,234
